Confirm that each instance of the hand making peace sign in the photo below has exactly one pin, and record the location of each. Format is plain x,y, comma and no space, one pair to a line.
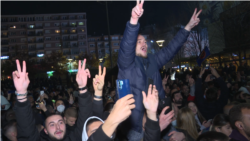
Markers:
137,12
194,20
82,74
20,78
98,81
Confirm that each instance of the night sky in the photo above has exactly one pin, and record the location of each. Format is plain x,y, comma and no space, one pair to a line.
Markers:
119,12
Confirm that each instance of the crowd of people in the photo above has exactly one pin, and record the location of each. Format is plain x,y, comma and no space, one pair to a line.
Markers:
205,104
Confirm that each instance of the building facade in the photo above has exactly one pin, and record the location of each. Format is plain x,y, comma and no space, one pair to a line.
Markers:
99,45
40,34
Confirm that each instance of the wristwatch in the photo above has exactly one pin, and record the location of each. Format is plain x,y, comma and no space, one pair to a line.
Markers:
17,94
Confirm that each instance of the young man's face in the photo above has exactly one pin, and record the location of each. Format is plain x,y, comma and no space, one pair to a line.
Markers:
185,89
93,127
59,102
178,98
141,47
70,120
55,127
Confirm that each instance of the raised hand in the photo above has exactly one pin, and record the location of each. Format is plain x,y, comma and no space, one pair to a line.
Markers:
208,78
165,120
98,81
165,80
151,102
214,72
21,79
122,109
137,12
71,99
193,21
82,74
202,72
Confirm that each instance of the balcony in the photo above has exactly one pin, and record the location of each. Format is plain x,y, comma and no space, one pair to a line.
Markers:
74,45
40,48
68,32
4,36
66,46
4,43
40,41
36,27
32,49
73,39
32,55
4,49
66,53
4,28
35,34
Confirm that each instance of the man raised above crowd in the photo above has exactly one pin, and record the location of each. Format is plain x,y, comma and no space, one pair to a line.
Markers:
142,68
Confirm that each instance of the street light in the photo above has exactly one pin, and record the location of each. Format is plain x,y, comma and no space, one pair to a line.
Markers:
160,42
110,46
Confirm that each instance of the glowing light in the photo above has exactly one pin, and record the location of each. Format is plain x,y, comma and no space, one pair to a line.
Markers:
73,70
4,57
50,72
160,42
152,41
40,55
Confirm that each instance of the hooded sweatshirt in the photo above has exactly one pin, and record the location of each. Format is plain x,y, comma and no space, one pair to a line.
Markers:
84,134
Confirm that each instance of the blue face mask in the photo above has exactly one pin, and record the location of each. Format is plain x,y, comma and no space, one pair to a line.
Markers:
205,96
174,123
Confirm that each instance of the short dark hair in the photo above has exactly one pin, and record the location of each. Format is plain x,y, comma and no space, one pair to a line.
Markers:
50,116
211,94
174,93
90,122
220,120
235,114
213,136
70,112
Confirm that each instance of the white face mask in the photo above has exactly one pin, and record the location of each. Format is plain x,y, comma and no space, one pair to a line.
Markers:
174,123
60,108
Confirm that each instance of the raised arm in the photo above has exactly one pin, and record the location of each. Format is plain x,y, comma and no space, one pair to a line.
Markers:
168,52
84,99
152,128
98,84
26,127
126,55
199,95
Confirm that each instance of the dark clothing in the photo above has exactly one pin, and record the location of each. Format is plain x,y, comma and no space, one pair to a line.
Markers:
237,136
141,71
152,132
210,109
26,128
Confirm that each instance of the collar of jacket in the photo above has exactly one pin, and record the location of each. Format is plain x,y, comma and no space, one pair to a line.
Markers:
237,136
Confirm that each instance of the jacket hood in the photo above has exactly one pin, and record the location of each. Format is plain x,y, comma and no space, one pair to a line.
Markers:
84,134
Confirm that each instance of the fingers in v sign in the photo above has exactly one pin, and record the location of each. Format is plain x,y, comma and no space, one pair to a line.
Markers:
194,20
82,74
137,12
21,79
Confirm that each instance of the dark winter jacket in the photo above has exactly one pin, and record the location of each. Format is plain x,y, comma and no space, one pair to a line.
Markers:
141,71
210,109
26,128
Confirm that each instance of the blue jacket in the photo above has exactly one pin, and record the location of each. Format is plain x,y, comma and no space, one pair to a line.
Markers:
140,70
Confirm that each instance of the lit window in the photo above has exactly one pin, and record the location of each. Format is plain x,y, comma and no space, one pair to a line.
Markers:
57,31
31,26
80,23
82,30
73,31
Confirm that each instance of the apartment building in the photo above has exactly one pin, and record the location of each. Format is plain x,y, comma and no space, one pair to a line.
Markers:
99,45
40,34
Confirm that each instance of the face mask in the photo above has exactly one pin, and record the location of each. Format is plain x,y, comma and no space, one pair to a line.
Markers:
205,96
60,108
174,123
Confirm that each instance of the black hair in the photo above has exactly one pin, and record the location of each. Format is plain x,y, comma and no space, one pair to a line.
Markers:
90,122
211,94
172,96
220,120
50,116
235,114
213,136
108,106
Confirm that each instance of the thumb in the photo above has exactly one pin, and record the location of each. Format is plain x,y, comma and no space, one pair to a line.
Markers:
144,95
171,133
163,110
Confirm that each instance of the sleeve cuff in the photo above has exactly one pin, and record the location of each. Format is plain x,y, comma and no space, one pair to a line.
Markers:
100,135
84,95
153,125
22,104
